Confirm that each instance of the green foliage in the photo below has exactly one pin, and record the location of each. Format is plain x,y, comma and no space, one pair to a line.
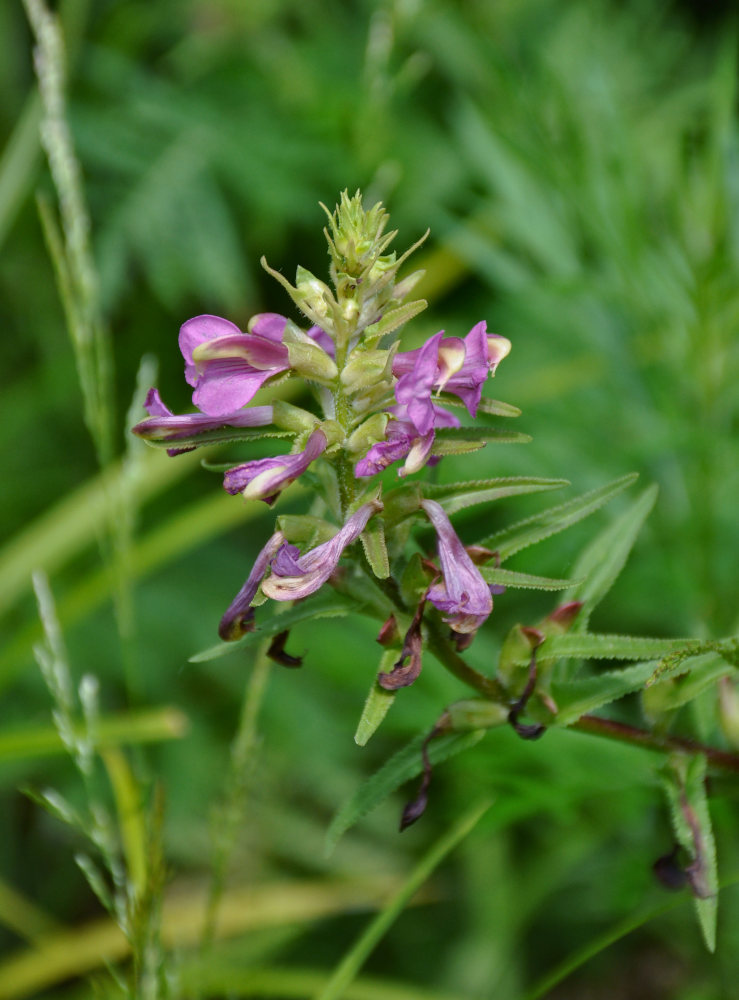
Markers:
575,163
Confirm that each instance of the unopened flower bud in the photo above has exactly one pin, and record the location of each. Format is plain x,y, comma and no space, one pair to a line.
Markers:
368,433
312,292
312,362
515,653
366,368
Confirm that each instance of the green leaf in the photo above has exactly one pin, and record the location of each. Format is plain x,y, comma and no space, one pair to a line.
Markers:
456,496
575,698
393,319
405,764
493,407
326,604
555,519
373,543
695,674
458,440
683,779
591,645
604,558
378,701
522,581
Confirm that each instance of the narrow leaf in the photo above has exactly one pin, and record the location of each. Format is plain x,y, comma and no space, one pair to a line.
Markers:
695,674
521,581
326,604
493,407
403,766
456,496
553,520
394,318
591,645
575,698
373,543
458,440
604,558
683,779
378,702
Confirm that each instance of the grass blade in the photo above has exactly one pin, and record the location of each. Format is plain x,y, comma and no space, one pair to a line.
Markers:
352,962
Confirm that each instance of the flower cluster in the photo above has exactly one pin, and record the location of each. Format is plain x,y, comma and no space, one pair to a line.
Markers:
376,407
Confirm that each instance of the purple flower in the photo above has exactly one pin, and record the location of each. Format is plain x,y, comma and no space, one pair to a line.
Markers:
463,596
292,575
403,440
163,424
413,389
227,367
452,364
295,575
239,618
265,478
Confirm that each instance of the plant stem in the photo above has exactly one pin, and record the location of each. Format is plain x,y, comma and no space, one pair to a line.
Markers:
724,760
492,689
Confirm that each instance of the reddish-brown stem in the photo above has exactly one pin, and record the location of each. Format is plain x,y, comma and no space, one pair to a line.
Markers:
593,724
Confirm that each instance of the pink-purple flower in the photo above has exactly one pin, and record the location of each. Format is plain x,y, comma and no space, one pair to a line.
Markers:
265,478
292,575
163,424
462,595
227,367
455,365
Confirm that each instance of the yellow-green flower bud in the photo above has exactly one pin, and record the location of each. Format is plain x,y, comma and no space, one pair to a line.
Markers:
312,362
368,433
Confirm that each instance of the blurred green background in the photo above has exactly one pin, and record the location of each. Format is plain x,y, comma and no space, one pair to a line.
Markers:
577,165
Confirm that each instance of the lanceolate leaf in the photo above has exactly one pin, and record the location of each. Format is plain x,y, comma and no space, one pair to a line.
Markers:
694,675
405,764
553,520
592,646
373,542
575,698
378,701
493,407
457,440
683,779
456,496
326,604
521,581
603,560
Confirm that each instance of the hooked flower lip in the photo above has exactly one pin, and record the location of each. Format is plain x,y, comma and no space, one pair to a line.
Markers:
265,478
455,365
463,596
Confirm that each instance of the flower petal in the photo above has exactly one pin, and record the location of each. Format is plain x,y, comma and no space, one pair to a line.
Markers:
196,331
463,596
265,478
317,565
239,618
